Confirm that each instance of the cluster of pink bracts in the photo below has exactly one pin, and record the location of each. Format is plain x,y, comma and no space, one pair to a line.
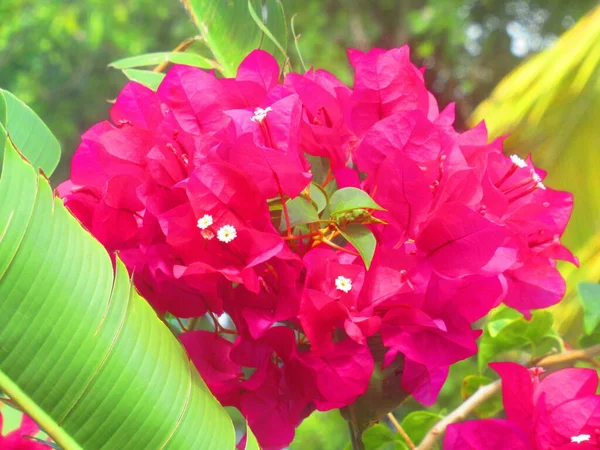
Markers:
182,183
560,412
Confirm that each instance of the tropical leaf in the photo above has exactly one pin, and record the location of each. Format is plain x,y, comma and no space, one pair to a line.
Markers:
80,351
28,133
153,59
224,26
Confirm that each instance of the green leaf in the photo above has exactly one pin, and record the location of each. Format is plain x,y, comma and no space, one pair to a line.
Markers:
318,196
82,353
29,134
146,77
350,198
321,431
225,27
153,59
589,293
260,24
489,408
508,330
251,442
2,110
380,437
362,239
418,423
301,211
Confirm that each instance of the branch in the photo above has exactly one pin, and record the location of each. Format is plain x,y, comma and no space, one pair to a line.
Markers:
486,392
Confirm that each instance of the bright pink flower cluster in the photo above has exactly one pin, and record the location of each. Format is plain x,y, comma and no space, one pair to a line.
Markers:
187,185
560,412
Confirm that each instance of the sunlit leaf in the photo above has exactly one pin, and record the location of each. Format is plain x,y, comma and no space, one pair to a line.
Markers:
509,330
590,299
251,442
27,131
229,32
146,77
153,59
350,198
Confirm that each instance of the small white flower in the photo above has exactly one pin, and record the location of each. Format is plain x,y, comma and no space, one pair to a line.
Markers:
260,114
581,438
226,233
518,161
205,221
343,284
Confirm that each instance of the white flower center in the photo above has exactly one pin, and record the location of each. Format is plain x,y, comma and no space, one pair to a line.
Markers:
581,438
518,161
343,284
226,233
260,114
205,221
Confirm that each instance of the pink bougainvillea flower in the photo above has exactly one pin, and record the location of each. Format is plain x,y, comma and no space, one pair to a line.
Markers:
192,186
560,411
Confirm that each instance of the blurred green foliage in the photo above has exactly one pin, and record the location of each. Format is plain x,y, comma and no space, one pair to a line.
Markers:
54,55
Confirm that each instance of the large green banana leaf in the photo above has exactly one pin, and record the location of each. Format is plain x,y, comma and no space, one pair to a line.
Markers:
80,351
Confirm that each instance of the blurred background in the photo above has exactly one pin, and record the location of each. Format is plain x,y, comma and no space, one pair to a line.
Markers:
530,67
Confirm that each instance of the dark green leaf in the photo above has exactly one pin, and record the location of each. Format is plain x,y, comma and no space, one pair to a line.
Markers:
146,77
29,134
362,239
153,59
589,293
350,198
418,423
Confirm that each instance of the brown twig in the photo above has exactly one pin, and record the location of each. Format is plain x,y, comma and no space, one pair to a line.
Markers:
401,431
487,391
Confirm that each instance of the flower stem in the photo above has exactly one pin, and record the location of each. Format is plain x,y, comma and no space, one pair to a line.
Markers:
337,247
401,431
